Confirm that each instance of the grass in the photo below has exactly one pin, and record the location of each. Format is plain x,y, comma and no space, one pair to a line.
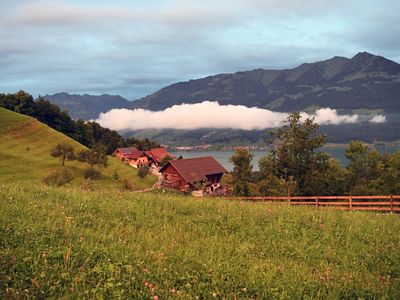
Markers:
24,155
76,243
65,243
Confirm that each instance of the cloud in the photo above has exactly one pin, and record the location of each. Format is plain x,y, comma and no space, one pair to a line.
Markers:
328,116
377,119
210,115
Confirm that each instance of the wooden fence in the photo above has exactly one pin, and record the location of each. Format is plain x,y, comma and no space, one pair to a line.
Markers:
367,203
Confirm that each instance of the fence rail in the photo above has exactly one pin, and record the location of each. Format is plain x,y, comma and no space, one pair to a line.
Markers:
386,203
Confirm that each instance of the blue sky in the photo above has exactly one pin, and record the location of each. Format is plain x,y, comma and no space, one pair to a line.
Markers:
135,47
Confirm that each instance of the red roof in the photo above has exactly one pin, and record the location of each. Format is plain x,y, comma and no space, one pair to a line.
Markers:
196,169
135,154
157,154
127,150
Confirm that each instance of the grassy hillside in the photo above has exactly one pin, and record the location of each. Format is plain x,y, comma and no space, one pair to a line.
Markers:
133,245
24,155
73,243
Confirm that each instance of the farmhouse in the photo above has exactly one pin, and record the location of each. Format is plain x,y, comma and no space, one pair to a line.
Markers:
193,174
138,159
123,153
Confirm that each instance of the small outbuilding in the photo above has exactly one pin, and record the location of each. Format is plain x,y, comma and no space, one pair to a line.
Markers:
193,174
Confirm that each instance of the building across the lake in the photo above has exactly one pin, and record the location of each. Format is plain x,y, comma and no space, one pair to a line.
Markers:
200,173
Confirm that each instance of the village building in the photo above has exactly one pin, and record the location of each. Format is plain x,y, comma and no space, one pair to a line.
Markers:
156,155
138,158
200,173
123,153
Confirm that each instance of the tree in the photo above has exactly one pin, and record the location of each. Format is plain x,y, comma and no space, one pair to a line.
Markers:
295,156
362,167
269,184
387,180
94,156
165,160
64,152
84,133
143,171
241,171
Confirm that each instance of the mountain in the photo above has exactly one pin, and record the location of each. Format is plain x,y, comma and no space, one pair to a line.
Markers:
85,106
365,81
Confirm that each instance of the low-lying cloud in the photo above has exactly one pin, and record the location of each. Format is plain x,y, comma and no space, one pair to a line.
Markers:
210,115
377,119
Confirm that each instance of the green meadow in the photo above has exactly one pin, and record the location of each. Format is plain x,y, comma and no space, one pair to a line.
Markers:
25,156
105,242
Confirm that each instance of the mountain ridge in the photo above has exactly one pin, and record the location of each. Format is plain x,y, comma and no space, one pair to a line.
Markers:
86,106
363,81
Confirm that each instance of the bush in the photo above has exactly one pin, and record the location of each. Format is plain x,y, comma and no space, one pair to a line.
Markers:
115,176
91,174
127,185
58,178
143,171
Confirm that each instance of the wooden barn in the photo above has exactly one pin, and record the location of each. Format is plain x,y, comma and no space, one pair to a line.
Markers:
193,174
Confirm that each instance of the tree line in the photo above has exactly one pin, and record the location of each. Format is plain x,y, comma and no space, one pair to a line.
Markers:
296,165
88,133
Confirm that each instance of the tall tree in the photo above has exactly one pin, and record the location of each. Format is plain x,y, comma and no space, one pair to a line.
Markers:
241,171
295,153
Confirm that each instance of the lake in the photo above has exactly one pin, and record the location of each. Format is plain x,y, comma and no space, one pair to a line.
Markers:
223,156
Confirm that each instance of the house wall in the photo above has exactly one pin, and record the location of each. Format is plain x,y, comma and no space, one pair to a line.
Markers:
170,174
118,154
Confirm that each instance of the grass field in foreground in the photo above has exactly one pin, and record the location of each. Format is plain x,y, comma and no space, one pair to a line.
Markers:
25,155
68,243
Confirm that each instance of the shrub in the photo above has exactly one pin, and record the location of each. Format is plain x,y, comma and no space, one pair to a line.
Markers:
143,171
91,174
115,176
127,185
58,178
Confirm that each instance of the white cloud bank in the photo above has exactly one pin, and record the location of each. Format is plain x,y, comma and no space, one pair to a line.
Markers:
210,115
377,119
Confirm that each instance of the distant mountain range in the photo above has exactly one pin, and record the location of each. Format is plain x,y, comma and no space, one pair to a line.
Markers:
366,84
365,81
85,106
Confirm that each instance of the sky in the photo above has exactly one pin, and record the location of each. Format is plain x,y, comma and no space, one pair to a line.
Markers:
133,48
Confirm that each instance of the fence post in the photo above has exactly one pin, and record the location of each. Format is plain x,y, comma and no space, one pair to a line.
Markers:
351,203
316,202
391,204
